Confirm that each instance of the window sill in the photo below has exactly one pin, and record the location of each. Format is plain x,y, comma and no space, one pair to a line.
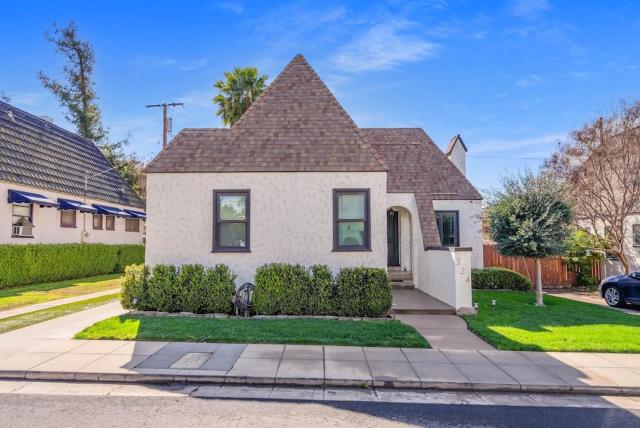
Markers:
351,250
231,250
22,236
69,227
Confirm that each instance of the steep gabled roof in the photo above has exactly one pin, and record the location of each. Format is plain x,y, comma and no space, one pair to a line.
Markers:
416,165
37,153
295,125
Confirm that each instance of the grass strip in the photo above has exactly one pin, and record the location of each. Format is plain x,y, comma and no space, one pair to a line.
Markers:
561,325
280,331
15,297
31,318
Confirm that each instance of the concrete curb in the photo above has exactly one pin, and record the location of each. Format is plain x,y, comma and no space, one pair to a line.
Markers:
157,378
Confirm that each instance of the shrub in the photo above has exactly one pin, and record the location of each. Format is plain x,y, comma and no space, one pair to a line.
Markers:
295,290
362,292
162,288
192,288
495,278
134,287
281,288
37,263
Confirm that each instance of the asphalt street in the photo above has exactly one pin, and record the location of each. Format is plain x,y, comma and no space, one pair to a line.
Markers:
35,410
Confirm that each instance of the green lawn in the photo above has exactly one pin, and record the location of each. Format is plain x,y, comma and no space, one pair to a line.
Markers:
561,325
298,331
30,318
16,297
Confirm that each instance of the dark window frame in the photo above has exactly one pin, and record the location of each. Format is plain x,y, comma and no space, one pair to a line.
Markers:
93,221
456,237
129,221
367,220
217,248
75,219
636,242
106,223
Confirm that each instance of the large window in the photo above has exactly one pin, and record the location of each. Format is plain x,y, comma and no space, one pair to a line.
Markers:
110,222
67,218
132,225
351,230
636,235
231,220
97,221
447,222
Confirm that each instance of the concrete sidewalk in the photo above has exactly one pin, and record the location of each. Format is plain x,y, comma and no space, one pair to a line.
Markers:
52,303
149,362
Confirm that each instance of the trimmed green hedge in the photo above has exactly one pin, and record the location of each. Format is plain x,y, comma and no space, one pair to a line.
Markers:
496,278
37,263
191,288
295,290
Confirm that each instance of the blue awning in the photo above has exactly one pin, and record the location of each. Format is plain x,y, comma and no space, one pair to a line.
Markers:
107,210
137,214
70,204
22,197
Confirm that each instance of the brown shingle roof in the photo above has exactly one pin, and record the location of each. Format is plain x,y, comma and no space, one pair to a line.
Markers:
295,125
416,165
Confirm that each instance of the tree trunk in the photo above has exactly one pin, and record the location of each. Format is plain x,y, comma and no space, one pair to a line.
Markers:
625,262
539,301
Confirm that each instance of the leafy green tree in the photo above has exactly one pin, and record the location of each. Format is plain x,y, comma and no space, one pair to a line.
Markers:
241,87
580,256
76,94
530,217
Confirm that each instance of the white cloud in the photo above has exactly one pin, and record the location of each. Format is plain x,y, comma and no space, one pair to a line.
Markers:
233,6
498,147
530,80
382,47
27,99
583,75
529,8
182,65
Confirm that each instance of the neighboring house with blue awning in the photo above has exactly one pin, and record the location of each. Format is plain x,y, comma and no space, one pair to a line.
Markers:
44,198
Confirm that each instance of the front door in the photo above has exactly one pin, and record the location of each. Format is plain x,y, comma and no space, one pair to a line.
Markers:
393,241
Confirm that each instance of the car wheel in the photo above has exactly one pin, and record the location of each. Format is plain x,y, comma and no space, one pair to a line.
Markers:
613,297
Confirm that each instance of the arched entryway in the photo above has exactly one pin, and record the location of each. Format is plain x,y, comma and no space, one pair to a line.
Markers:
399,238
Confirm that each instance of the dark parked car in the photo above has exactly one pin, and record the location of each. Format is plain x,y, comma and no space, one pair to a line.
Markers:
619,290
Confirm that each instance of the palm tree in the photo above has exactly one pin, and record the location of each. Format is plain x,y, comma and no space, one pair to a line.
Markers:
242,87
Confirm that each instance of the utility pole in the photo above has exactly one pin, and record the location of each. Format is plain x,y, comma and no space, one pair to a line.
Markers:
165,119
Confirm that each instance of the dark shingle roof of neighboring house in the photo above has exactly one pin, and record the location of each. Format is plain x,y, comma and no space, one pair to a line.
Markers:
295,125
416,165
37,153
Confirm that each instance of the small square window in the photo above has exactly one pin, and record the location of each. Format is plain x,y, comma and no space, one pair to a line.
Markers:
351,220
97,221
636,235
448,228
67,218
110,222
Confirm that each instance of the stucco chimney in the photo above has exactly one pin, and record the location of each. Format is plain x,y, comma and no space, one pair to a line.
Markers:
457,153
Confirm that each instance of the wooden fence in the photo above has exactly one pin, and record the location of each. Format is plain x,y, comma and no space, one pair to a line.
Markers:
554,271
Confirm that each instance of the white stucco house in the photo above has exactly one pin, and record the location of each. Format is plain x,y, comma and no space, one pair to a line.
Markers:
57,187
295,180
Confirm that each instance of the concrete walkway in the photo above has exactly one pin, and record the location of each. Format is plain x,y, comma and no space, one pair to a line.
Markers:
445,331
52,303
46,351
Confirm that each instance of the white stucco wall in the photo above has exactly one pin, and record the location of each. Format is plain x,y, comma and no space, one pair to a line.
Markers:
448,275
458,157
47,222
470,217
612,267
291,219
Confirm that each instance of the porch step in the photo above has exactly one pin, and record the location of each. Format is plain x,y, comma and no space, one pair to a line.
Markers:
415,302
400,279
433,311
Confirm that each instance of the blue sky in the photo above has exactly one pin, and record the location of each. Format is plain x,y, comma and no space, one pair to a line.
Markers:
513,77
